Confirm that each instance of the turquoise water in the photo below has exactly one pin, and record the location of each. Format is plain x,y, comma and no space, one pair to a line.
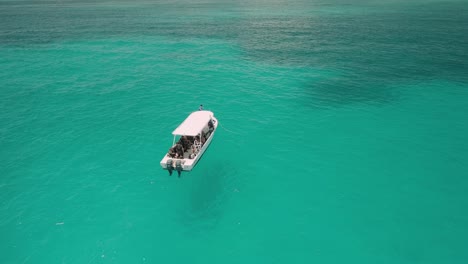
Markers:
343,137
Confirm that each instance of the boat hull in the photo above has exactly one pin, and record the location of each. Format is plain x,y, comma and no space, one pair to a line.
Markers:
188,164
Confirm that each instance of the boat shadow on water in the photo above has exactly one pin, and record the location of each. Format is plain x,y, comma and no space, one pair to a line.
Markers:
208,193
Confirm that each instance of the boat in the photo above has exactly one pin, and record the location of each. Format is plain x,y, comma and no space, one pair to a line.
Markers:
191,139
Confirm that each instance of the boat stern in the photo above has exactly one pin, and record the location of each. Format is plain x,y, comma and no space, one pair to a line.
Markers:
168,163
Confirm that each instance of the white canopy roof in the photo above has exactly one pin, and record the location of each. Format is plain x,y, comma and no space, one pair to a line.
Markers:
193,124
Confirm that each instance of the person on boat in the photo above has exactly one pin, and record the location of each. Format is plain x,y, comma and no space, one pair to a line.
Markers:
210,125
190,139
171,152
179,150
180,142
200,108
185,142
194,148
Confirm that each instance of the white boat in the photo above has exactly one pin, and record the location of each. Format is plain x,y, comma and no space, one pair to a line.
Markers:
191,139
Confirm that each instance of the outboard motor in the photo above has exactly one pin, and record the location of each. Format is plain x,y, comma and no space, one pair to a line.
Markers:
169,166
179,167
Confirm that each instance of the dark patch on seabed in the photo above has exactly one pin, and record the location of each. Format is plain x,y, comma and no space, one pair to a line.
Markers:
371,59
339,91
371,51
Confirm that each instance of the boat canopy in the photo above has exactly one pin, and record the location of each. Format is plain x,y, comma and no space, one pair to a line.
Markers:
193,124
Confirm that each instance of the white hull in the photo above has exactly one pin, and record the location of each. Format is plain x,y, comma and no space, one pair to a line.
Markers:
187,163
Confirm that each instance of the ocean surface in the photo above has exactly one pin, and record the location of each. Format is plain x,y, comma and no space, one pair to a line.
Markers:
343,132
